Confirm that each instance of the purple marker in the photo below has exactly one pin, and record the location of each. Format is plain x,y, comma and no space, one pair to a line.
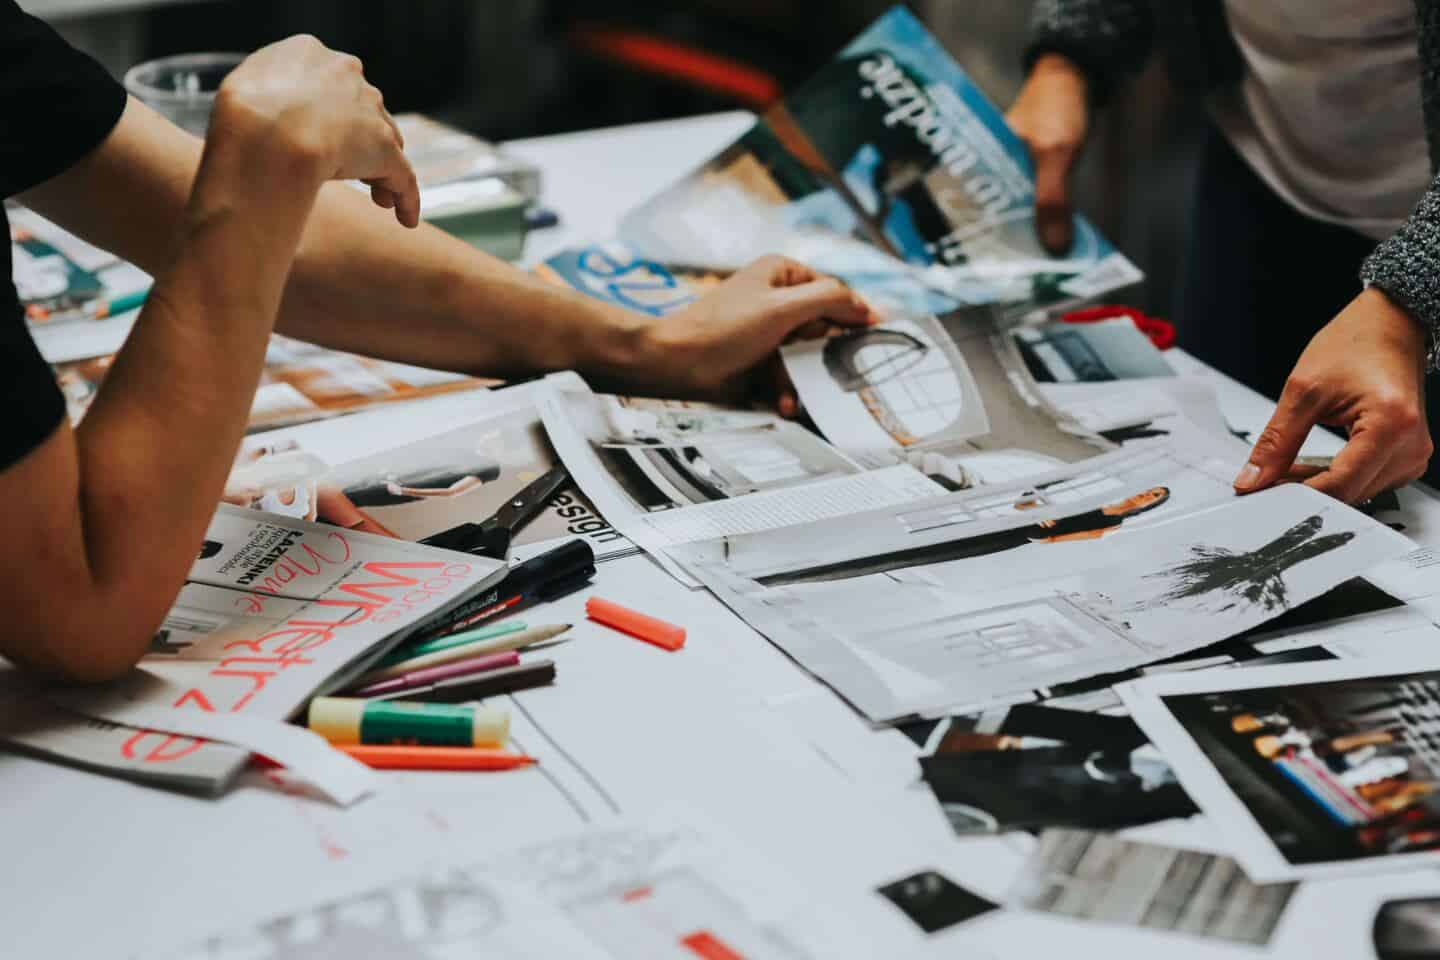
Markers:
444,671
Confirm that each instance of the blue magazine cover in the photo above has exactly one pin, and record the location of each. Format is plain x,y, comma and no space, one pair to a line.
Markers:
892,170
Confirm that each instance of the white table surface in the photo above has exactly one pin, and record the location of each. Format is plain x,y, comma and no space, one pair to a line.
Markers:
728,727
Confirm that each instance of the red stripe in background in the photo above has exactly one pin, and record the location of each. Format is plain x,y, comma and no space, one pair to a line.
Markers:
707,946
700,67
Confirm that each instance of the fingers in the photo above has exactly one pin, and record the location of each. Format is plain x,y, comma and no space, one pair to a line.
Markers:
398,190
1054,223
1279,443
1355,475
825,299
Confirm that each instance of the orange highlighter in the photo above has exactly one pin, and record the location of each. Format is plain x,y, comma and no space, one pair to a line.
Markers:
434,758
625,620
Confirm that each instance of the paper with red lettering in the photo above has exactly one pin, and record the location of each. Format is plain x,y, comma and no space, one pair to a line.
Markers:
274,611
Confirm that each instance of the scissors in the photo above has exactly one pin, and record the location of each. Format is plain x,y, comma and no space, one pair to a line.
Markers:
492,537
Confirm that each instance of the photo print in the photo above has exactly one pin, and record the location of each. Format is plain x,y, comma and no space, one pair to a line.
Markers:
1045,767
935,607
1311,769
934,902
1103,878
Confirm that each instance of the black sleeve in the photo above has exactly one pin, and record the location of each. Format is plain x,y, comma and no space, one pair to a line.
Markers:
57,103
1106,39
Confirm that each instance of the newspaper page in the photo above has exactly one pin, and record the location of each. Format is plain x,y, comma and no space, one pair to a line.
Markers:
274,610
979,597
413,473
1104,878
669,472
891,148
1309,770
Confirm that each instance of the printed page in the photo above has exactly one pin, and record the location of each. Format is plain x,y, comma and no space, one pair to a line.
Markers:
273,611
892,147
978,598
1308,770
954,388
420,472
666,472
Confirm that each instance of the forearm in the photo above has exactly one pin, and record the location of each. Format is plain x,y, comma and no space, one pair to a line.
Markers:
1406,268
363,284
152,454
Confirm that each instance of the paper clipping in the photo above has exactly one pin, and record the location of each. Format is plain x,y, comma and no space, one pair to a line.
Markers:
1308,770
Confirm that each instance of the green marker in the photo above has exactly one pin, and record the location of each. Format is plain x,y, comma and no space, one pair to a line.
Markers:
405,652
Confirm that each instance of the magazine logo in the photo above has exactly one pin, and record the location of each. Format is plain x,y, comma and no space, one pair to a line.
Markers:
952,135
209,549
268,559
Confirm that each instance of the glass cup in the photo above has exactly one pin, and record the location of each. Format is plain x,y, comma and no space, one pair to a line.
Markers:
182,88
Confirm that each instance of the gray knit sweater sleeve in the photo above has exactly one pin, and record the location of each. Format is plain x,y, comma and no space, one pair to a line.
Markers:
1107,39
1407,265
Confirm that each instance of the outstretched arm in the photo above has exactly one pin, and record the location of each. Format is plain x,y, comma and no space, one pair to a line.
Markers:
103,522
363,284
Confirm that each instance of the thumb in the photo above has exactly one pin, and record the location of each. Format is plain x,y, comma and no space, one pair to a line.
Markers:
1279,443
1053,217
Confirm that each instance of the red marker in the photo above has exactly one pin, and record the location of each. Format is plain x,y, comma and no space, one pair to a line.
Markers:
636,624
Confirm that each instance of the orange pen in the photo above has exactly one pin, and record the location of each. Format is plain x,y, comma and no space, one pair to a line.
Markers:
625,620
435,758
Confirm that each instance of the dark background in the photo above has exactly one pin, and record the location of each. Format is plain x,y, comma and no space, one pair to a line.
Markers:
518,68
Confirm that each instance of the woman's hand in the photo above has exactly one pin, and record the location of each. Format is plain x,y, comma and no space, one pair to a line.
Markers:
1051,115
1365,372
714,346
315,104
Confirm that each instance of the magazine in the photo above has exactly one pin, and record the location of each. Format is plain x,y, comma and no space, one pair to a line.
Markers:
667,472
889,167
300,383
979,597
274,611
413,472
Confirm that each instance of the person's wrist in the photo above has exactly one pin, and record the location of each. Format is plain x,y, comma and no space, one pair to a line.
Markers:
244,127
1394,322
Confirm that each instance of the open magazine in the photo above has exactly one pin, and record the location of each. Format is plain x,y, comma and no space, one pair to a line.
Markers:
979,597
300,382
274,611
414,472
890,169
667,472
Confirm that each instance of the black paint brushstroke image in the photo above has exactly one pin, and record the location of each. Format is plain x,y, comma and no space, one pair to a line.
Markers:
1254,577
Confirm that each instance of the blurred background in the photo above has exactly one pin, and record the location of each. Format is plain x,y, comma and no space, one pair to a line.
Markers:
507,69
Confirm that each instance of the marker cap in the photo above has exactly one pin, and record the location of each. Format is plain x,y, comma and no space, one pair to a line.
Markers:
649,629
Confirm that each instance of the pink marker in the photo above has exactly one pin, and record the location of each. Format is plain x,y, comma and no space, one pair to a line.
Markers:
444,671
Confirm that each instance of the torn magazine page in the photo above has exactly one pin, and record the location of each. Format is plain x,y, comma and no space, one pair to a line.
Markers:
670,472
892,147
954,388
413,473
1308,770
274,610
1104,878
982,597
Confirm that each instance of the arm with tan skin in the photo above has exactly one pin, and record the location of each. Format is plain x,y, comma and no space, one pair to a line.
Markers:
362,283
103,521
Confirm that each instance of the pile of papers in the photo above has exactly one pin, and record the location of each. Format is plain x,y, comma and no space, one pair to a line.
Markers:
1006,541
